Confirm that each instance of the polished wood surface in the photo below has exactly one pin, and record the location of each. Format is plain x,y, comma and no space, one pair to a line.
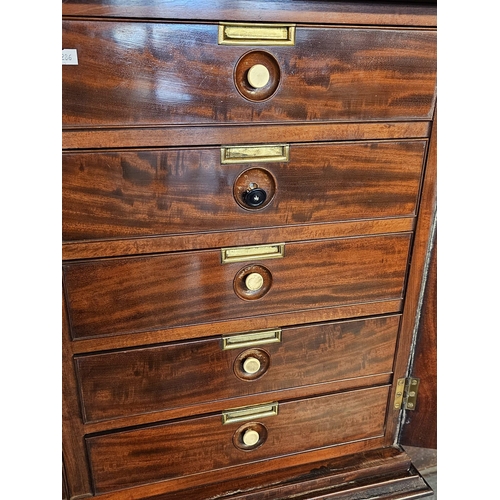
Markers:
148,206
156,378
197,241
417,272
188,447
204,330
133,74
420,426
316,478
195,135
64,485
409,13
124,295
75,470
217,406
361,470
142,193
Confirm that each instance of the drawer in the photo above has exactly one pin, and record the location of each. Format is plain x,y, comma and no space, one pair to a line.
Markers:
171,450
118,194
132,294
160,73
145,380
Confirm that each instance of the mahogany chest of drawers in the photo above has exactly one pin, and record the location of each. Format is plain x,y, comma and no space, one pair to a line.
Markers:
248,205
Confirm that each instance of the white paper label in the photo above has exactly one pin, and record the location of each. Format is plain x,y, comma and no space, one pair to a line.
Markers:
69,56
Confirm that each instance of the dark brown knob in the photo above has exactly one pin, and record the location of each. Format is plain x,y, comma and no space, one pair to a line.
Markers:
254,197
255,188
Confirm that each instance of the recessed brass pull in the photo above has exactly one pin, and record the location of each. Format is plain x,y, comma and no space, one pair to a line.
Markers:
256,34
258,252
251,339
253,154
249,413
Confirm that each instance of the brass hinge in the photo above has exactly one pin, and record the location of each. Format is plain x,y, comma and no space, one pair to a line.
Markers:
406,393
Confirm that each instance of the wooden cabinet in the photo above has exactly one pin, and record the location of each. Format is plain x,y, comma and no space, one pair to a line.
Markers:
248,202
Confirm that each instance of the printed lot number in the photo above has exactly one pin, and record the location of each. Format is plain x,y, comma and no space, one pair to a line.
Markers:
69,57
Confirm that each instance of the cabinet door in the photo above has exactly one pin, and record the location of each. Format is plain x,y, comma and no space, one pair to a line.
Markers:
420,425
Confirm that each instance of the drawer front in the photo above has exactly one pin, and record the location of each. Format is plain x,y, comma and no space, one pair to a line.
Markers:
165,377
176,449
150,74
125,295
143,193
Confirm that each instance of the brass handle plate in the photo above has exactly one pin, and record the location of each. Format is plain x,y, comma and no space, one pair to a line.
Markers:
251,339
250,413
258,252
255,153
256,34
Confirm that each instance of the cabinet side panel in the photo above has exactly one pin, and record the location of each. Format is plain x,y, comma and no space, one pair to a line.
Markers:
420,426
423,234
75,471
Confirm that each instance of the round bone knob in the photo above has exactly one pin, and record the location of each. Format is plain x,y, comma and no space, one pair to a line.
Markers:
251,365
250,437
258,76
254,282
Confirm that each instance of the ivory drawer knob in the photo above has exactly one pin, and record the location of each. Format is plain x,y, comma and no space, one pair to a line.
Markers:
251,365
250,437
258,76
254,281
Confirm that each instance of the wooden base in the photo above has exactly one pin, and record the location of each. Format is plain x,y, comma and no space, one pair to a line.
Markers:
385,474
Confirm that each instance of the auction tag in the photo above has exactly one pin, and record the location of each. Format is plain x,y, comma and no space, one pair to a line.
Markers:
69,56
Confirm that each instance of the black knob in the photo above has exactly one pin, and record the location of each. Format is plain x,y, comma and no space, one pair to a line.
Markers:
254,197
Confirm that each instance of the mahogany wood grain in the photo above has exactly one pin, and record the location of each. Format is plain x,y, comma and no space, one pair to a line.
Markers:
197,135
352,469
410,13
124,295
266,470
197,241
393,486
145,286
405,485
181,448
420,426
418,267
214,406
81,346
360,465
65,495
156,378
150,74
144,193
75,467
